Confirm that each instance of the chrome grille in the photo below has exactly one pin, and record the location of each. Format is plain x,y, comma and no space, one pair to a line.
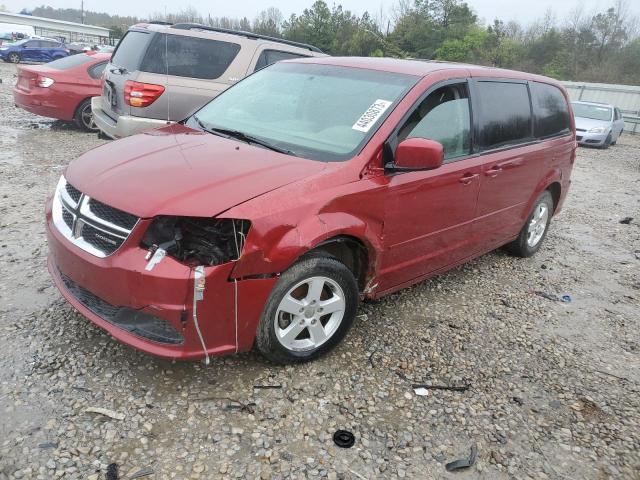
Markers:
91,225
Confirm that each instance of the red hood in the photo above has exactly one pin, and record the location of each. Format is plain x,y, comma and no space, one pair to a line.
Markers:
180,171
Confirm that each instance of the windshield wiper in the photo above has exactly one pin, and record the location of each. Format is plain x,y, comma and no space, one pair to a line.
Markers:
244,137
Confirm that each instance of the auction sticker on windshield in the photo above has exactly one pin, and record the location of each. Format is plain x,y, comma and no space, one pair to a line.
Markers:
373,113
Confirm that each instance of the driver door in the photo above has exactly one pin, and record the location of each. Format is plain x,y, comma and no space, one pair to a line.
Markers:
429,214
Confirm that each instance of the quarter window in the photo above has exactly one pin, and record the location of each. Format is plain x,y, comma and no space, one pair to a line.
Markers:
193,57
96,70
267,57
505,114
443,116
551,113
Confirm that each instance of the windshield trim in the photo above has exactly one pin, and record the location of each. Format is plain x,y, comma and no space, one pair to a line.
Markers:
306,153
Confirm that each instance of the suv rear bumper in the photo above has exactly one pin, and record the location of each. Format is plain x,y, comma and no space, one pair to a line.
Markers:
124,125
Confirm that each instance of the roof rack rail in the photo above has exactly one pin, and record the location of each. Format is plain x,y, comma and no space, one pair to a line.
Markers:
194,26
159,22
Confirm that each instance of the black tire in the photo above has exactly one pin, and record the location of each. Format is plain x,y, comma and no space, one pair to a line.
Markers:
14,58
607,142
308,266
83,117
520,247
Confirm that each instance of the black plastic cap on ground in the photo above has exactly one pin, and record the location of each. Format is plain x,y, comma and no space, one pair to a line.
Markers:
344,439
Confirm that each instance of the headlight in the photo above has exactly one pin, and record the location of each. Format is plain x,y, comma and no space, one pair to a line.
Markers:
196,240
4,48
597,130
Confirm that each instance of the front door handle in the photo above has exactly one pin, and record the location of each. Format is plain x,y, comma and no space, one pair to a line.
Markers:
467,178
493,171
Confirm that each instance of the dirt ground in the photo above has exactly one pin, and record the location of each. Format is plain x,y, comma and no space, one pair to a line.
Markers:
554,386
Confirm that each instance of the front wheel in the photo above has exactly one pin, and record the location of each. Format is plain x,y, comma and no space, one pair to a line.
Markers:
535,228
309,311
14,58
84,117
607,142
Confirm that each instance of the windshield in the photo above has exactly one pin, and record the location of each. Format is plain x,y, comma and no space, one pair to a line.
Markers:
321,112
594,112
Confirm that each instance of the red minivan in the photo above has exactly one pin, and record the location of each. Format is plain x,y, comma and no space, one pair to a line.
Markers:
267,215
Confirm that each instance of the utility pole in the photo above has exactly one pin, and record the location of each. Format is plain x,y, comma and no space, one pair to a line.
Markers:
82,11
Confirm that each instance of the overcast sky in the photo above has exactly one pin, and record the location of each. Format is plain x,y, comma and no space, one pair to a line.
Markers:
523,11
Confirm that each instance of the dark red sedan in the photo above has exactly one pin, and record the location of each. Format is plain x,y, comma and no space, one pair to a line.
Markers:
63,88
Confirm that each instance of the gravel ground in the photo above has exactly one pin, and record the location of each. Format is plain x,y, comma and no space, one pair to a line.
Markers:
553,387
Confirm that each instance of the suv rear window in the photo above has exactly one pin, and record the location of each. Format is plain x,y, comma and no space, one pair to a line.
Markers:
130,50
71,61
505,113
193,57
267,57
550,110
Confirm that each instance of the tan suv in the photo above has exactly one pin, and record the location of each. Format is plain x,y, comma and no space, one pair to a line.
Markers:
160,74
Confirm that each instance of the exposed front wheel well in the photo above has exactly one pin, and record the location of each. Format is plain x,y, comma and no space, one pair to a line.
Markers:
350,251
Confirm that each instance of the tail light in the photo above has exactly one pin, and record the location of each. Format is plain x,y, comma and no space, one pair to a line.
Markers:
44,82
139,94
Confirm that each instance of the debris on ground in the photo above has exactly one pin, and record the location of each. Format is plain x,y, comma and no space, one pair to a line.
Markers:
453,388
421,391
106,412
463,462
552,297
344,439
112,472
626,220
142,473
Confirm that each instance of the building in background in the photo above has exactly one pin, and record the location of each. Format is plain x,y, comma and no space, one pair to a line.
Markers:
64,31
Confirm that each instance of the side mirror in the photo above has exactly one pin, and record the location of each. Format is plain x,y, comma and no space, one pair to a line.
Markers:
418,154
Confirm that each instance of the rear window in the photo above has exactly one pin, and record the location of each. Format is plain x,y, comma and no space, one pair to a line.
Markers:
551,113
505,114
130,50
193,57
267,57
71,61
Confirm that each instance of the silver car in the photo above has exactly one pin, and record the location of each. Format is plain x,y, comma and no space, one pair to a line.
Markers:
161,74
597,124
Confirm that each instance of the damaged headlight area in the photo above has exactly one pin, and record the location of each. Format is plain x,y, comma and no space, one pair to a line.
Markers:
195,240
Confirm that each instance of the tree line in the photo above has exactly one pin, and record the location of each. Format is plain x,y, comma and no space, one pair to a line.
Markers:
600,46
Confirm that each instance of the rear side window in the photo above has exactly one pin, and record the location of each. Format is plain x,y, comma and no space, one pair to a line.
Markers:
267,57
551,113
130,50
193,57
505,114
71,61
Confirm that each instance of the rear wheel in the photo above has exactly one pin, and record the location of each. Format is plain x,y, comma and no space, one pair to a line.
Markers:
535,228
84,117
309,311
14,58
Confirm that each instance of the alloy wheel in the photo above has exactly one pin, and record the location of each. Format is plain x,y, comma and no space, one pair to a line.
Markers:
14,58
309,314
87,118
537,225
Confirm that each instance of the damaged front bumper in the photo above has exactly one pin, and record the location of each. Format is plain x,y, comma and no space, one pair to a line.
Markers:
153,310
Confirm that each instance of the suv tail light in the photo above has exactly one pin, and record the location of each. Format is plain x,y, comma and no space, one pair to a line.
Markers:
44,82
139,94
